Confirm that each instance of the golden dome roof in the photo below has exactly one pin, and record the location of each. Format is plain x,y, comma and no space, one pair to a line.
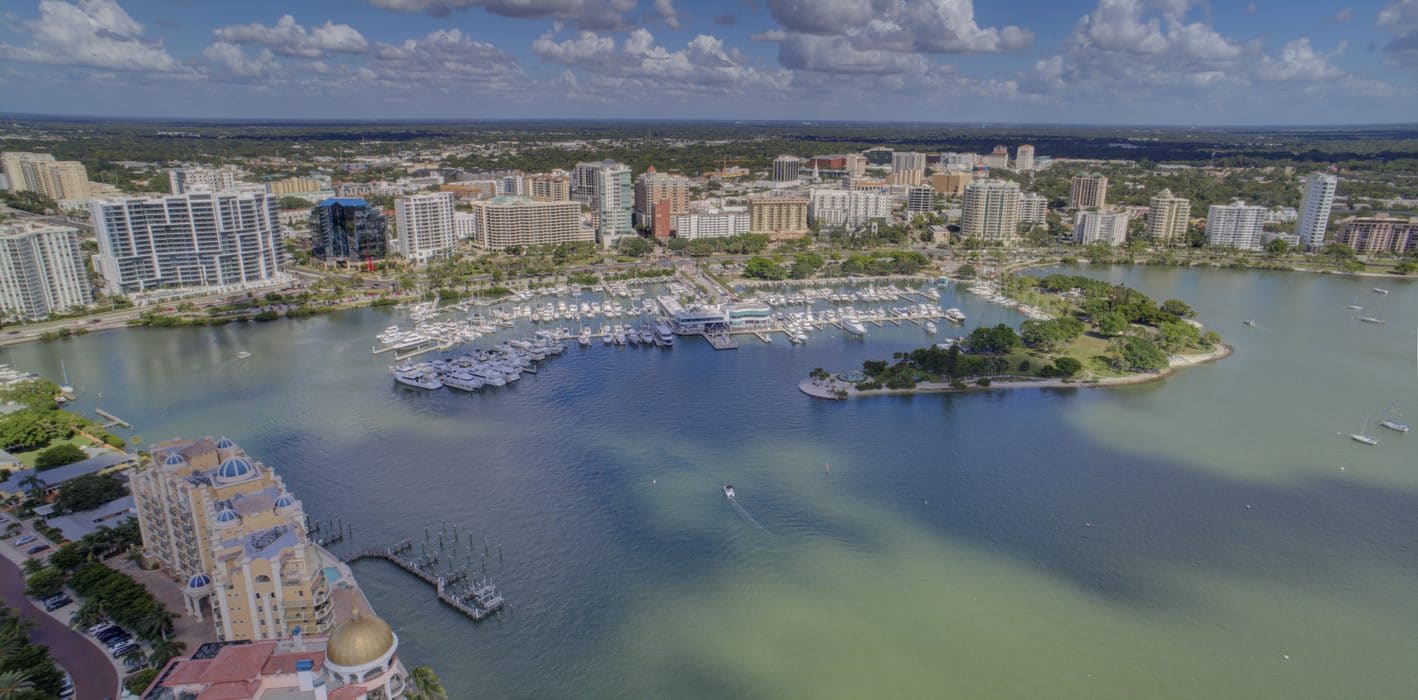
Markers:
358,641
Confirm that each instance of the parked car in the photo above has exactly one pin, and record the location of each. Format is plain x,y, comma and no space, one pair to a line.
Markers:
25,540
101,626
114,636
52,604
66,690
122,650
36,549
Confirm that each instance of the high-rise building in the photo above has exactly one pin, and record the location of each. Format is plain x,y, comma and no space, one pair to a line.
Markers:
998,158
61,180
652,189
950,184
1099,227
519,221
20,170
1368,235
513,184
180,180
347,228
779,217
856,165
1024,158
991,211
197,239
849,208
1088,191
1033,208
787,168
908,168
920,199
224,526
550,187
465,225
879,156
1315,204
715,223
962,162
606,188
1235,225
41,271
1167,217
425,224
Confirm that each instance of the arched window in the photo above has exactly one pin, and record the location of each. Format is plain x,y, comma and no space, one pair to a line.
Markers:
262,578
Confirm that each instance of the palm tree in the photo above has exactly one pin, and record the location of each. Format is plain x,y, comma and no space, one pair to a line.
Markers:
35,485
14,684
165,649
427,685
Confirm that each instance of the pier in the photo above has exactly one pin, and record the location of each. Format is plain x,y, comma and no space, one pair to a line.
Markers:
112,419
476,601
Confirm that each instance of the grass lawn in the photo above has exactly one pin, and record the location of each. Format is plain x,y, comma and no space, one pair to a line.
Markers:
28,457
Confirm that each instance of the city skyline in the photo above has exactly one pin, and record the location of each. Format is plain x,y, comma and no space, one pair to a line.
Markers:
1111,62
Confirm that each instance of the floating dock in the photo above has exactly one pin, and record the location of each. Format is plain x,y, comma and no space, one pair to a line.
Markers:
112,419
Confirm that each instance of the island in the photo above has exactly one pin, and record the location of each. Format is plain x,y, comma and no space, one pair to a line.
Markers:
1083,333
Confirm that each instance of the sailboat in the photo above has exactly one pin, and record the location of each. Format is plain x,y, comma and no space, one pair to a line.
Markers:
1361,436
1376,317
1393,424
66,387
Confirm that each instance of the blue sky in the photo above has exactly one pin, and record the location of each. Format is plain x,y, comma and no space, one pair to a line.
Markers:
1064,61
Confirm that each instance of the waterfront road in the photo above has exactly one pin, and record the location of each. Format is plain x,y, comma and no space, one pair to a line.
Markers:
93,672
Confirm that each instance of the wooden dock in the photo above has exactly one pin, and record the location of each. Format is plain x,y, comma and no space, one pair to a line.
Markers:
112,419
476,601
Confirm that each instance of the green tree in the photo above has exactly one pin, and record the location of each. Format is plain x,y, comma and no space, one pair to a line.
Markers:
1067,366
15,684
427,685
88,491
965,271
995,340
59,455
1112,323
1137,354
634,246
763,268
29,429
1178,308
1277,246
34,485
45,582
1406,267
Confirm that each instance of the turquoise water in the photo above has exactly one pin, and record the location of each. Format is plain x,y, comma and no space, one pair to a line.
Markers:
1172,540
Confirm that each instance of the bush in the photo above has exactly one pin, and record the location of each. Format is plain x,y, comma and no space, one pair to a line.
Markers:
1067,366
140,681
58,456
88,491
983,381
1024,366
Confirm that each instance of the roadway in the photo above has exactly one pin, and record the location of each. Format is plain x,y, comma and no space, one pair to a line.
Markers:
93,672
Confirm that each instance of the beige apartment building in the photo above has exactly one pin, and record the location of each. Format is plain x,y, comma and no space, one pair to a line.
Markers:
224,526
1167,217
551,187
950,184
294,186
1088,191
507,221
991,211
779,217
1368,235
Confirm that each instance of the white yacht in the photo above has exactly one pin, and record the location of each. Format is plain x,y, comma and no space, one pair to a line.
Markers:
954,315
931,327
462,380
1379,290
488,376
853,326
728,491
417,378
1362,436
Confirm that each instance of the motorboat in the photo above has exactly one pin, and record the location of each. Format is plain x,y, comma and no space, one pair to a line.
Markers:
1395,425
954,315
1380,290
729,490
1250,322
418,379
931,327
243,355
853,326
1371,319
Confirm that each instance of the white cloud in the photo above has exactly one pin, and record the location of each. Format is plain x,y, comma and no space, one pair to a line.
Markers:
703,66
664,10
233,59
588,14
903,26
1400,19
90,33
445,56
289,39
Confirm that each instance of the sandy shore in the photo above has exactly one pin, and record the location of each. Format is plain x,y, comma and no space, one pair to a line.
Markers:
832,389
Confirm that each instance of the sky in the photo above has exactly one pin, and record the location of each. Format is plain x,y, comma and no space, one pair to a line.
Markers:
1175,62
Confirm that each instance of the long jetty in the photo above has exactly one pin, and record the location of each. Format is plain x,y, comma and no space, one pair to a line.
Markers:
476,601
112,419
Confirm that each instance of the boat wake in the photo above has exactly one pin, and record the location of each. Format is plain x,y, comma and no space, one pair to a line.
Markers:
747,516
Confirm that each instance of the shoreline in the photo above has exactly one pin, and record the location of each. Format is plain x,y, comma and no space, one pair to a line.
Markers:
827,391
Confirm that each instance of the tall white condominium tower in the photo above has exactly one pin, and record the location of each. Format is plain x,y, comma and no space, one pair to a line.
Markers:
787,168
991,211
426,226
606,188
1167,217
41,271
1315,204
198,239
1024,158
1235,225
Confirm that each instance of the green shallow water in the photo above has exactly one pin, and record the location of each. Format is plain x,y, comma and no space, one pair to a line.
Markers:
1173,540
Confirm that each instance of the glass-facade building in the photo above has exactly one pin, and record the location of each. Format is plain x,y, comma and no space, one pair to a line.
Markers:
347,228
